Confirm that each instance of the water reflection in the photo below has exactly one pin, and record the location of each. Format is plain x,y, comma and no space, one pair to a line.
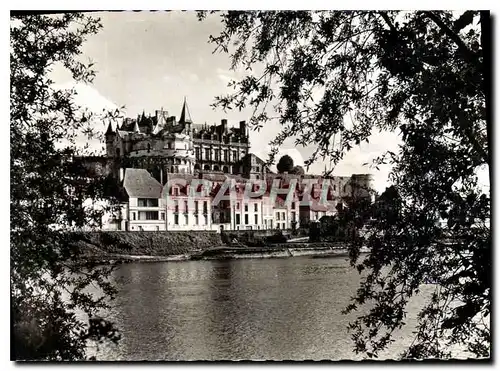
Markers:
235,309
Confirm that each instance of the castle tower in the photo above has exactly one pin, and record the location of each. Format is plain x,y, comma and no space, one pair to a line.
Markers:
185,118
110,136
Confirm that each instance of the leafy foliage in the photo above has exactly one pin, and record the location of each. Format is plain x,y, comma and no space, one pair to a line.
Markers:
422,74
298,170
285,164
49,283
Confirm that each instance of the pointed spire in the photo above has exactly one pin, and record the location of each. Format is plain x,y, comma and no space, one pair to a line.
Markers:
156,128
136,127
185,116
109,131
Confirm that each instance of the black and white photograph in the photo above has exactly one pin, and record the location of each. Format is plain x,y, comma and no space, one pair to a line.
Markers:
250,185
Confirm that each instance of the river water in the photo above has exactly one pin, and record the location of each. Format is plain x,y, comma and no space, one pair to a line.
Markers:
251,309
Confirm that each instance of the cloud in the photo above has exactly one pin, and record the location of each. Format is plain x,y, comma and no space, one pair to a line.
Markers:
224,78
88,97
352,163
225,75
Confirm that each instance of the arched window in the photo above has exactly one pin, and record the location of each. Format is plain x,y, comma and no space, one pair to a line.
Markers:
225,169
206,167
216,168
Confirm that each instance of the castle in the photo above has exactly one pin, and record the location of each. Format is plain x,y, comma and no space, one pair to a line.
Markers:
161,144
156,161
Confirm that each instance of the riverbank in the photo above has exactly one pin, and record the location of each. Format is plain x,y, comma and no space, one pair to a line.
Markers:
225,253
144,243
122,247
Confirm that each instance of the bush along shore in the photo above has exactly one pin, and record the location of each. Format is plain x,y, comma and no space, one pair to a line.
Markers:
121,246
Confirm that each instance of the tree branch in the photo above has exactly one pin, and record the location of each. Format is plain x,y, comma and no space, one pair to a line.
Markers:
388,21
467,53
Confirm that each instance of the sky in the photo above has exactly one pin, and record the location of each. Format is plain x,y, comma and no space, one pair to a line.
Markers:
152,60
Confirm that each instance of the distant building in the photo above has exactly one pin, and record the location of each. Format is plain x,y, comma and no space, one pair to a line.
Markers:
144,153
162,144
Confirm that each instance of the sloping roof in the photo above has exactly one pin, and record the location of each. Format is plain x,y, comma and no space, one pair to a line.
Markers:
140,183
128,124
110,129
185,116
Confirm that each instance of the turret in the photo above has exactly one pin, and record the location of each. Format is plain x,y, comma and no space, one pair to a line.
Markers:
243,128
161,118
110,136
185,118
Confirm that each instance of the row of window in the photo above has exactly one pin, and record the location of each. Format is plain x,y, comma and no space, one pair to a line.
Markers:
196,206
218,155
215,137
153,215
147,202
248,227
186,219
238,219
147,215
255,207
153,202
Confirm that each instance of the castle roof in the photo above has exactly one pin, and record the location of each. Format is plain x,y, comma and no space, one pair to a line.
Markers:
185,116
110,129
140,183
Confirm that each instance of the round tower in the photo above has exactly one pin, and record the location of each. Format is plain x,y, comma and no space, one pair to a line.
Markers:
362,186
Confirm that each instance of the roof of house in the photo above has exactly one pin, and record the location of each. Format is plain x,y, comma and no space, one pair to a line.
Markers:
140,183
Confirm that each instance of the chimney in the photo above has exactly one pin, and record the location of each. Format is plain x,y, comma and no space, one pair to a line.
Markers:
224,125
160,114
171,120
243,128
122,173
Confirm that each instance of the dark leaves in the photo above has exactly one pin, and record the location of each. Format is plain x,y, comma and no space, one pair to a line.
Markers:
346,73
464,20
48,283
